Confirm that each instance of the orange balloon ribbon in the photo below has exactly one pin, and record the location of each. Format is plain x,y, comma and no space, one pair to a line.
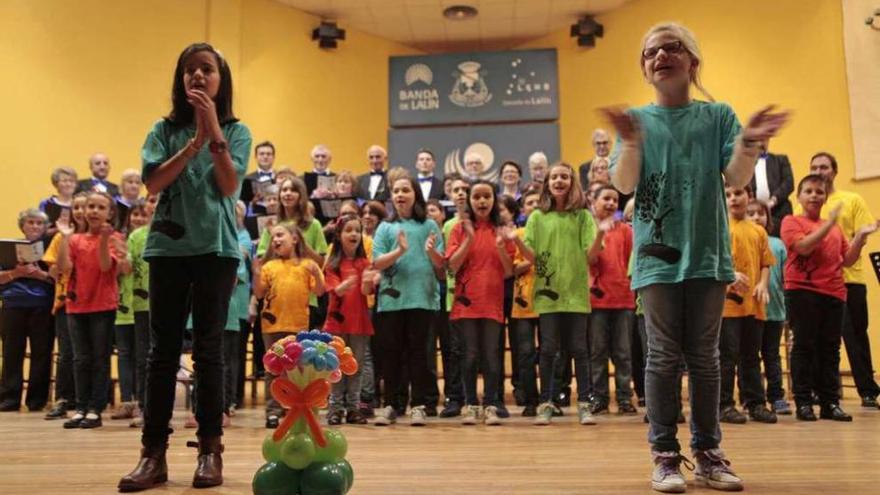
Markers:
300,402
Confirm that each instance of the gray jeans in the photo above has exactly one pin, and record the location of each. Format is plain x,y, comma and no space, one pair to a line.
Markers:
683,318
346,393
610,331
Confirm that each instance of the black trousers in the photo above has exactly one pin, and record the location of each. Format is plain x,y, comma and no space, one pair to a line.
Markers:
204,283
855,338
479,338
64,385
405,332
20,326
815,321
450,354
739,345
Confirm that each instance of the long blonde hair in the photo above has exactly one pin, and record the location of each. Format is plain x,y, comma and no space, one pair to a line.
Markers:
689,41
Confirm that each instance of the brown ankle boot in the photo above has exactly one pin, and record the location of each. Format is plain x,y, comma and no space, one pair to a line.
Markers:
150,471
209,469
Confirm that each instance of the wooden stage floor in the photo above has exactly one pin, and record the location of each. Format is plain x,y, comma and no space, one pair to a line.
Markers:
791,457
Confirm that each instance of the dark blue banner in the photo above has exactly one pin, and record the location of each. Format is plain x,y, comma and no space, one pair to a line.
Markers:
471,88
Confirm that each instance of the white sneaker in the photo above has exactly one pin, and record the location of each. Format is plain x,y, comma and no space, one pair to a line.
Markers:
667,477
417,416
545,414
492,418
585,417
713,470
386,416
470,415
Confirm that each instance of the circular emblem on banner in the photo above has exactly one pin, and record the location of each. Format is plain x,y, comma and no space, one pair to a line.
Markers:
418,72
470,89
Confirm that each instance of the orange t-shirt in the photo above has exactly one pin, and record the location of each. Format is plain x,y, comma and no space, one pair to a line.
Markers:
89,290
750,250
286,306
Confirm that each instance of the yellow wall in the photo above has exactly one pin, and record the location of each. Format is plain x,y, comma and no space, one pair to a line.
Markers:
788,52
89,75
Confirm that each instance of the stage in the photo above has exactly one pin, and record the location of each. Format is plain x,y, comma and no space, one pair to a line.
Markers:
790,457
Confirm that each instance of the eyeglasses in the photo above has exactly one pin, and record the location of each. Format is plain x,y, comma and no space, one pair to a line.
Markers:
673,47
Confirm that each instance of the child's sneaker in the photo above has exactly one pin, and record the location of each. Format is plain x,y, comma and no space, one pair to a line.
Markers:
585,415
713,470
667,477
626,408
492,417
386,416
417,416
126,410
761,414
470,415
730,415
545,413
334,418
366,410
782,407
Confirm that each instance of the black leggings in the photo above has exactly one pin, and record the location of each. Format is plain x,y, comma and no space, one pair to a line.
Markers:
405,332
479,338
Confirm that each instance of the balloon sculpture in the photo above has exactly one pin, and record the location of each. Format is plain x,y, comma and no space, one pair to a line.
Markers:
301,458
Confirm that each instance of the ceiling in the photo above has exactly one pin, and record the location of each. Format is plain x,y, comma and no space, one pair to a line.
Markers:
500,24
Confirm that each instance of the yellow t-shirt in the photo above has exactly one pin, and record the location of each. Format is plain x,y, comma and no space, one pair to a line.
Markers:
853,216
51,257
286,306
523,286
750,250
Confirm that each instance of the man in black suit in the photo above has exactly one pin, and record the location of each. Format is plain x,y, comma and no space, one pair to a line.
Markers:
99,164
432,187
265,155
773,183
320,181
374,184
602,148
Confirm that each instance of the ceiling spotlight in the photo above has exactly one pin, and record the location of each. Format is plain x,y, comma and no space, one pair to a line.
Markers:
327,34
586,31
459,12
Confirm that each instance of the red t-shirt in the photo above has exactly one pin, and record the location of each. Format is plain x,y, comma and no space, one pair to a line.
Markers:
610,284
822,270
347,314
90,290
479,283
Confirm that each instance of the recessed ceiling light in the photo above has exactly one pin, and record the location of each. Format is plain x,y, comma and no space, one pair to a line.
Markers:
460,12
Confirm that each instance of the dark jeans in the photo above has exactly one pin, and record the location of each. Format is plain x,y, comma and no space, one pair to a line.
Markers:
203,283
610,332
450,354
433,397
92,346
346,393
405,332
125,350
638,348
479,338
273,407
523,331
855,338
230,366
564,333
739,345
816,321
770,338
65,389
20,326
141,350
683,318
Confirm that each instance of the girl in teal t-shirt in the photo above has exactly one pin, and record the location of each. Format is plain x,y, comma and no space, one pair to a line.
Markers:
673,153
196,157
558,238
408,251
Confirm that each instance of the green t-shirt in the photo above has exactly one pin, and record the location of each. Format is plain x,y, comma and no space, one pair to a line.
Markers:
410,283
450,276
241,294
140,269
776,306
192,217
314,237
560,241
124,309
680,219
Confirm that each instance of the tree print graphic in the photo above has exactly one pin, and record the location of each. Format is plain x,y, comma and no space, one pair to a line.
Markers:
542,269
389,274
651,196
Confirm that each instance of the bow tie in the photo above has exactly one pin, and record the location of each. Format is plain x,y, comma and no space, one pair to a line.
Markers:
324,173
425,179
265,174
380,174
764,155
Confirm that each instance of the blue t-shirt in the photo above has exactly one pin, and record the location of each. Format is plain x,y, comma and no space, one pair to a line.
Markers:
193,217
680,219
776,307
410,282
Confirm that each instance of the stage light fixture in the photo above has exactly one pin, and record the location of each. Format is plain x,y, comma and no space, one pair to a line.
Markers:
459,12
586,30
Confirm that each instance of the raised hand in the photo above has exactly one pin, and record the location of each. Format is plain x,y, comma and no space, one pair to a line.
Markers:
430,242
346,285
764,124
402,242
626,125
468,228
257,266
607,225
869,229
313,269
106,231
119,246
834,214
65,227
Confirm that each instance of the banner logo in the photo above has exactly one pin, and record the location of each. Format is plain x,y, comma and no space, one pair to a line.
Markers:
455,161
470,89
418,72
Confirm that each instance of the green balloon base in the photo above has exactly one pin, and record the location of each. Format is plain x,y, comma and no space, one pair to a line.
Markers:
318,478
